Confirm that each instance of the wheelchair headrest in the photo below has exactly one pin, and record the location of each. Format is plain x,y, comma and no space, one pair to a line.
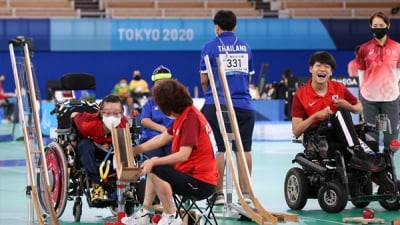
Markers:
64,110
78,81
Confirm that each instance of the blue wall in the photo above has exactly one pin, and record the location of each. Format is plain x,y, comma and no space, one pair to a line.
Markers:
110,66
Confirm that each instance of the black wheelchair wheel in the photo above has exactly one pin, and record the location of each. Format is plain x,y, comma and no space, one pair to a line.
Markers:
58,179
77,210
296,188
391,204
332,197
365,189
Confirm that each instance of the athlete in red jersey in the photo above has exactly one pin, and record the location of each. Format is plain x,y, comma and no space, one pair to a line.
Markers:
320,98
379,72
94,130
191,167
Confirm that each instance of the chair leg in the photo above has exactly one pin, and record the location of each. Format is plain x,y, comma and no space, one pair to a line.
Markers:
187,206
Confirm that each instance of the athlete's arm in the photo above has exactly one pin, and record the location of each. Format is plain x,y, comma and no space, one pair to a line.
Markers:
299,125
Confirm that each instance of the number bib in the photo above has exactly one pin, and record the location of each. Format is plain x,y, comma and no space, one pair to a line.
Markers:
234,63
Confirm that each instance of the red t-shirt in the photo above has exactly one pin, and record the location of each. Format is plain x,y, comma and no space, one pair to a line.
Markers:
380,63
307,102
90,126
192,129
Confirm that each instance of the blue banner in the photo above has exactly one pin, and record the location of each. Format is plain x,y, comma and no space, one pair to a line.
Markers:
187,34
36,29
183,34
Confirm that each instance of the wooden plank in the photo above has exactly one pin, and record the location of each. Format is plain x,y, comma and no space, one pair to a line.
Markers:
133,13
375,4
41,4
229,4
178,4
363,220
129,4
46,12
396,221
311,4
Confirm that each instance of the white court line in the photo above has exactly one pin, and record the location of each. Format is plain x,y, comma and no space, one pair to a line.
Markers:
327,221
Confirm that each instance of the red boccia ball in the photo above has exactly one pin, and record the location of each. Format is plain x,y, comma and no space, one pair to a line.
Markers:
155,218
368,214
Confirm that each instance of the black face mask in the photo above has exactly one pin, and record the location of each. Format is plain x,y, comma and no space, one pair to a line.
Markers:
379,32
136,78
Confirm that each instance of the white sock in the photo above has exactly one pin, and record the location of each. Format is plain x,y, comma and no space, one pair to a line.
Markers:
145,210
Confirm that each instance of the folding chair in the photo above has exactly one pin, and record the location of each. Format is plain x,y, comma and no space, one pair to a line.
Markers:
187,206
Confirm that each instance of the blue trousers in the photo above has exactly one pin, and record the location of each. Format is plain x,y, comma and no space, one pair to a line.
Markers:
87,157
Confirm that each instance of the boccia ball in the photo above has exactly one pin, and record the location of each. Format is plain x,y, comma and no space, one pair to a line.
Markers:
368,214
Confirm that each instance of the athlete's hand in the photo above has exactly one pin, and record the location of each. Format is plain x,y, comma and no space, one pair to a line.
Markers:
146,167
341,103
323,113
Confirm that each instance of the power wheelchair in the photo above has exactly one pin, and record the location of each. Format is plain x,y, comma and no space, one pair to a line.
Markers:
328,177
68,179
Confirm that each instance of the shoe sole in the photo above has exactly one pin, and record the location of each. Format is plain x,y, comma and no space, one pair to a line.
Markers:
219,202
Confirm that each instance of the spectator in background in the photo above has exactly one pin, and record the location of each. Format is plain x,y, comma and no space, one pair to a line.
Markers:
379,72
285,90
292,85
352,67
139,89
230,48
4,102
268,92
122,91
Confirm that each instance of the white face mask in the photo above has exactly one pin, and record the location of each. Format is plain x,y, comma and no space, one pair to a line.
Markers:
111,121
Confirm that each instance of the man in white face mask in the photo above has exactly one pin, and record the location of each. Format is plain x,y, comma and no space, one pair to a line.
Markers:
94,130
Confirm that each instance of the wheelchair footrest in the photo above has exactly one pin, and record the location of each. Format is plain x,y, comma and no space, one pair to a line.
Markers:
370,198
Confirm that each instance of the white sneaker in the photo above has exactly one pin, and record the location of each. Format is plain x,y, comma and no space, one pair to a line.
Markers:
139,218
246,197
170,220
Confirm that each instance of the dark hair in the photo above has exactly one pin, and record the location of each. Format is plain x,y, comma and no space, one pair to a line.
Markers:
225,19
322,57
111,99
171,96
381,15
287,73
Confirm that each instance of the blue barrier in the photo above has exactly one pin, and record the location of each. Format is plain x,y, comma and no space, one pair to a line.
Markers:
269,110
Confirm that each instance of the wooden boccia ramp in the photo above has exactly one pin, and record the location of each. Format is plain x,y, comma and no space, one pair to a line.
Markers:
257,212
40,203
126,166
